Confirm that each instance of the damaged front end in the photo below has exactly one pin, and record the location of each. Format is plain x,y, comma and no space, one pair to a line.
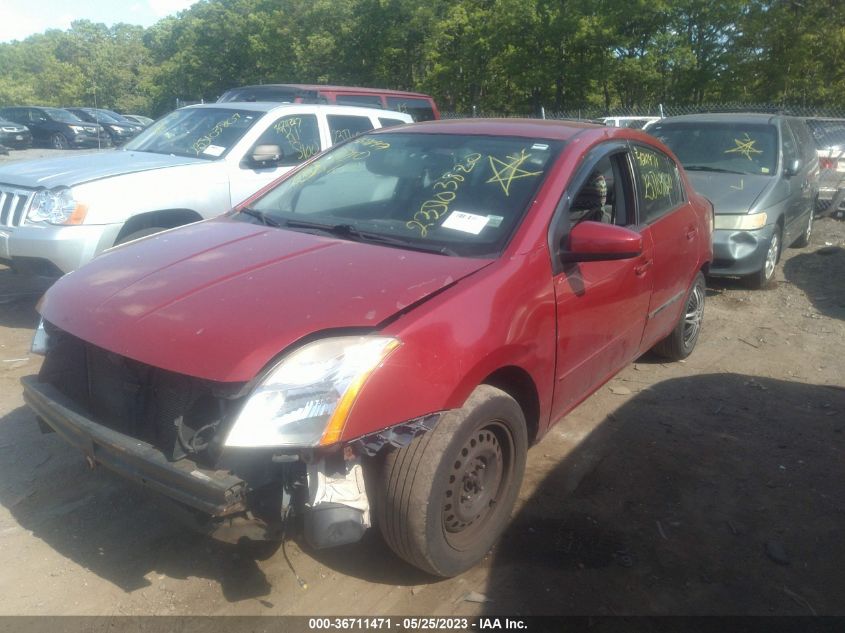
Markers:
171,434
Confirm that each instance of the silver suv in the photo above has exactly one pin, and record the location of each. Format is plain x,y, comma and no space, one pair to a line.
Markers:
195,163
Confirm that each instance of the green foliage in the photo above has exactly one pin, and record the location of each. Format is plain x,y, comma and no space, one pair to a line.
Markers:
501,55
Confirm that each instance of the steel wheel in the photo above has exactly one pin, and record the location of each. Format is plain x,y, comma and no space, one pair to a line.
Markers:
444,499
480,474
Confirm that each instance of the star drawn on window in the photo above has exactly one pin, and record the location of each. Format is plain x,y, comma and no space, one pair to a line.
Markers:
744,147
504,173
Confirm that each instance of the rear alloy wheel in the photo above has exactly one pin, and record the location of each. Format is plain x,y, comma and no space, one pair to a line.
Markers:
444,499
59,141
680,343
764,276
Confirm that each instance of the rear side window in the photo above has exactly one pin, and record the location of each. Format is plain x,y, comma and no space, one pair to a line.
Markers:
369,101
419,109
790,148
658,183
343,126
297,135
802,135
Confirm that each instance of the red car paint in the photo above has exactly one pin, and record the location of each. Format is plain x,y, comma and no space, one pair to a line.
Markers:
221,299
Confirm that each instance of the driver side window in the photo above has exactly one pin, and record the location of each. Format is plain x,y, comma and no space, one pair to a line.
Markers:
601,198
297,135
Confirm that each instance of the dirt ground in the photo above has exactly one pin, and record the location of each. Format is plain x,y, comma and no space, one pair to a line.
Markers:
711,486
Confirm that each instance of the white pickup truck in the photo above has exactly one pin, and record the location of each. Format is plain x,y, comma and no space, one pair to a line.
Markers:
195,163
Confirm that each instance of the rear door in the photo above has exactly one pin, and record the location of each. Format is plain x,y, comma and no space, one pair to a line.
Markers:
346,126
668,220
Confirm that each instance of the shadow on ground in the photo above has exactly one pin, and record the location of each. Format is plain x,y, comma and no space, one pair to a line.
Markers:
18,296
821,275
105,524
714,494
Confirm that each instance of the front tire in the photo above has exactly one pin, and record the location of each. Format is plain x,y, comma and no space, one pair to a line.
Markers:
59,141
137,235
764,276
680,343
444,499
804,239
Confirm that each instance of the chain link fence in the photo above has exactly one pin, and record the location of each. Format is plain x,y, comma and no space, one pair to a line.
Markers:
596,113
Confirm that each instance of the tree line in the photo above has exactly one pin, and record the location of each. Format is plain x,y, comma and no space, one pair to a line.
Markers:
507,56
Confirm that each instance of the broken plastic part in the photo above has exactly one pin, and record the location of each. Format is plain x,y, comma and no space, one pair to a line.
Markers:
396,436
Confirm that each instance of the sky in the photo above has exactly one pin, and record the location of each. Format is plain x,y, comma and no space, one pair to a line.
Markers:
21,18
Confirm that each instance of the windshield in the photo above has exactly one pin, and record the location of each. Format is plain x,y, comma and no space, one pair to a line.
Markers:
453,194
118,118
743,148
199,132
103,116
62,115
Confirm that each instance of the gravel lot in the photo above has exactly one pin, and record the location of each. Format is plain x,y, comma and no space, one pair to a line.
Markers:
711,486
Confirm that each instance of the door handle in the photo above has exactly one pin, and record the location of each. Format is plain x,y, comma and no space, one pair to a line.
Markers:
642,268
691,233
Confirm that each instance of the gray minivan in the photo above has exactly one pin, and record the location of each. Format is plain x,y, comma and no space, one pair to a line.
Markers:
761,172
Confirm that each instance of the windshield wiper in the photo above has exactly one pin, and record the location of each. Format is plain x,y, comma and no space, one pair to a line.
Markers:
708,168
351,232
265,219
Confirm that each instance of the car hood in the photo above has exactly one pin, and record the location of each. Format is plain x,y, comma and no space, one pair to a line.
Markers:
730,193
220,299
74,170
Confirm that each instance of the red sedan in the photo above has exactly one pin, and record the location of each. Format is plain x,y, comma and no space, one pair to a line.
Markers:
378,337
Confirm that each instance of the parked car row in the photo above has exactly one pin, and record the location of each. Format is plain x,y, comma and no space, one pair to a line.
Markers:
65,128
378,317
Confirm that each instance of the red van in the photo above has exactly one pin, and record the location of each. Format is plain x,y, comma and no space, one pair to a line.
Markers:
418,105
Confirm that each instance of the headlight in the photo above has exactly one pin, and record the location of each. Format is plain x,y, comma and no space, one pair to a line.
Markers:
305,400
78,129
741,222
56,207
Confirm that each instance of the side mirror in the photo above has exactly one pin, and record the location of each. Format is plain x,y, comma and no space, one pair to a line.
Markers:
265,156
595,241
792,167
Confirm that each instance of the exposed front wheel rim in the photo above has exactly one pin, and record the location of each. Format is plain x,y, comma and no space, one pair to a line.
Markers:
480,477
693,315
771,257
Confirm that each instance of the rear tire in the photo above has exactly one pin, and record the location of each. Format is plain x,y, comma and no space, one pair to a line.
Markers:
680,343
444,499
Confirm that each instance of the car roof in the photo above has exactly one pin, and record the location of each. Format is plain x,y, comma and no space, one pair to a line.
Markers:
271,106
532,128
318,87
723,117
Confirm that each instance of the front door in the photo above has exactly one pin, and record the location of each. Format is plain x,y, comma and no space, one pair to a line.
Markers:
297,136
601,306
